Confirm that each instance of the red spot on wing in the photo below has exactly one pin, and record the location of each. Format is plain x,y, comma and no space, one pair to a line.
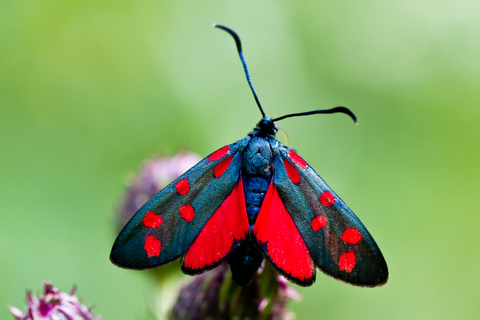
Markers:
217,237
152,246
219,153
187,212
291,171
318,223
351,235
297,159
327,198
222,166
284,245
347,261
182,186
151,220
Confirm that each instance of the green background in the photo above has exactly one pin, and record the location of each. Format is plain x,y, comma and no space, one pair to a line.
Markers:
89,89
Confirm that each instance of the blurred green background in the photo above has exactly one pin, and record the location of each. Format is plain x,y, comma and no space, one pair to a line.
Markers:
89,89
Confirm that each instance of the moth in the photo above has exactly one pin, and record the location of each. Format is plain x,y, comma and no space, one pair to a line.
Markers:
252,200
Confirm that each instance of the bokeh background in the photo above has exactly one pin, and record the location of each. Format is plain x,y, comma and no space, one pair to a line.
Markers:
89,89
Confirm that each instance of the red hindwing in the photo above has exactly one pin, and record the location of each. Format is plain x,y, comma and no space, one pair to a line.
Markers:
225,230
278,236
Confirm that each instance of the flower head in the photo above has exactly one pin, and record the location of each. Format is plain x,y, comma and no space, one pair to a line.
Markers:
214,295
54,305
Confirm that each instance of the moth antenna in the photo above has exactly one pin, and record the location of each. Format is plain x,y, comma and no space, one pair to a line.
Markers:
333,110
244,63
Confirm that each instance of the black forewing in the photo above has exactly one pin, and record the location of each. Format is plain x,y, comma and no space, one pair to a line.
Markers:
175,234
359,263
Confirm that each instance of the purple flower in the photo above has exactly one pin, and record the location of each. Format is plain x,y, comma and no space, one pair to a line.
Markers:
54,305
153,176
214,295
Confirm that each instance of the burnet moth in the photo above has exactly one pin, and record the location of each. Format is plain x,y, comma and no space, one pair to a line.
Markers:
251,200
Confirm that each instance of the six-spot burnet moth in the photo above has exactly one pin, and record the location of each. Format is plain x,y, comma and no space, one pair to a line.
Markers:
250,200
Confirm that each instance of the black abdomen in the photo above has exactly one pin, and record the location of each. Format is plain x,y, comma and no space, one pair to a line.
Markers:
255,189
256,173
